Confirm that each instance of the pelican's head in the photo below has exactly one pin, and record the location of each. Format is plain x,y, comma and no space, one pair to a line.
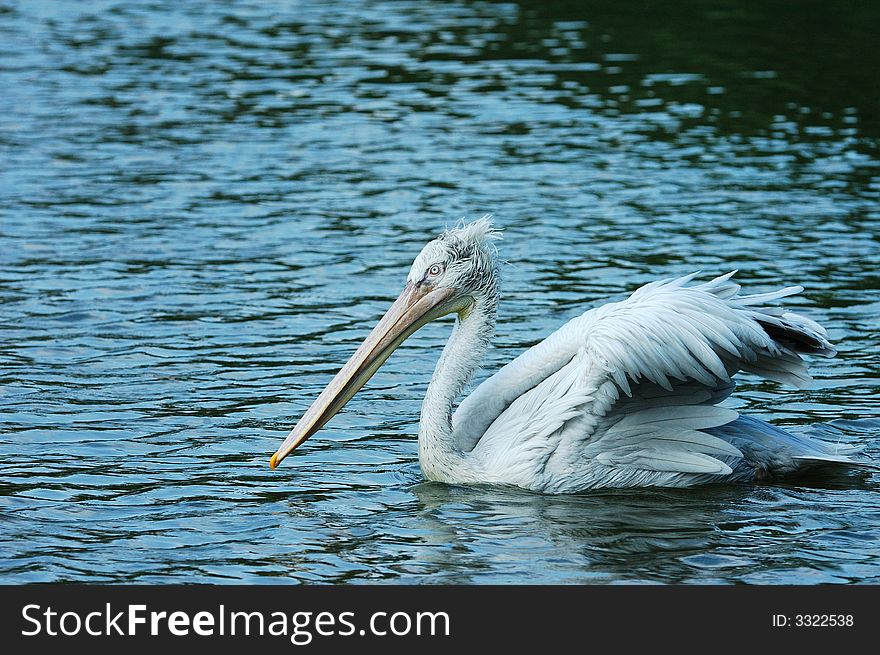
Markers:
452,274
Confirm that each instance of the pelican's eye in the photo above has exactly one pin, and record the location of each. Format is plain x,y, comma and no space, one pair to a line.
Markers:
435,270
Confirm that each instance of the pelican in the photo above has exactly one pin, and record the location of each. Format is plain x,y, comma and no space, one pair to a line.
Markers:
625,395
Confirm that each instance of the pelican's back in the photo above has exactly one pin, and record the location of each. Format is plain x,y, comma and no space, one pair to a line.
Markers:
627,394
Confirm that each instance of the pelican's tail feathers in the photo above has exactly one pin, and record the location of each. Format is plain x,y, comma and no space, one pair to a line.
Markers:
778,453
842,461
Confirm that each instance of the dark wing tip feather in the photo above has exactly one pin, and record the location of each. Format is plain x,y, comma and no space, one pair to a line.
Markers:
798,338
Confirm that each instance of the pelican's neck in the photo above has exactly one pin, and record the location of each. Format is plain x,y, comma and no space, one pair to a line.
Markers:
438,454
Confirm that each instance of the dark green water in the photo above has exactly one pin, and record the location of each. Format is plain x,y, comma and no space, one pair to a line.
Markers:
204,207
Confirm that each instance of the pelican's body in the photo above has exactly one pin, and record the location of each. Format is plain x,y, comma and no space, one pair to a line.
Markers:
625,395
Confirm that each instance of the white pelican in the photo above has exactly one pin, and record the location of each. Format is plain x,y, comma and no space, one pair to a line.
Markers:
625,395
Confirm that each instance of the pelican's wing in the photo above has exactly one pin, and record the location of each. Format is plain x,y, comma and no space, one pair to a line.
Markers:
633,384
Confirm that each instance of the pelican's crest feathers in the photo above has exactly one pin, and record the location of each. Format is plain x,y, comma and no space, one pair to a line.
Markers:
477,235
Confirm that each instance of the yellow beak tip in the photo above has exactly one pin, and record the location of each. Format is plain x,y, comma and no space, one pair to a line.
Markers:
273,463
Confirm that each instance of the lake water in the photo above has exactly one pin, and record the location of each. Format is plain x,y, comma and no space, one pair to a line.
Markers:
204,207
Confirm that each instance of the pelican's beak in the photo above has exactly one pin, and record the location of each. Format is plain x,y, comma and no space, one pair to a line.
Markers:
417,305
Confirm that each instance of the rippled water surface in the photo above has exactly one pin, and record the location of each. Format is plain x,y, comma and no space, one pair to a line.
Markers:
204,207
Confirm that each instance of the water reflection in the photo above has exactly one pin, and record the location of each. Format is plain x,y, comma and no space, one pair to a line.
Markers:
794,77
652,535
597,537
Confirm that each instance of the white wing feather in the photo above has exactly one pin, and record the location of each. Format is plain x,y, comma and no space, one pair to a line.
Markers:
631,385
